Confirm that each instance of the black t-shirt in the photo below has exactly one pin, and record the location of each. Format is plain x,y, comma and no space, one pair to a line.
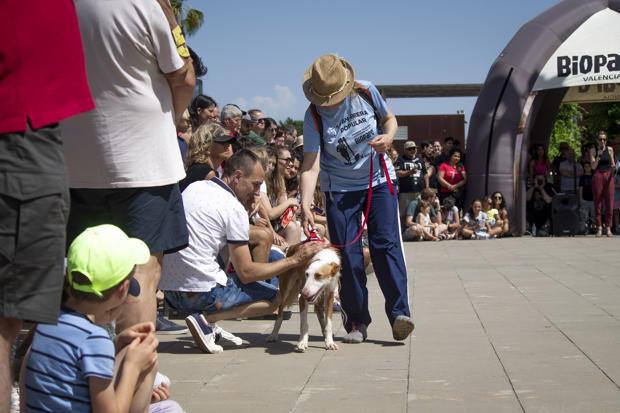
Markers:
414,182
585,182
196,172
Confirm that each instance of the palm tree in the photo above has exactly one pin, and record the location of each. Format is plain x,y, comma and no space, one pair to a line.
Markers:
190,20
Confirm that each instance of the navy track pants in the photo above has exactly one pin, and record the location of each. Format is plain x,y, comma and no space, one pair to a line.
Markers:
344,211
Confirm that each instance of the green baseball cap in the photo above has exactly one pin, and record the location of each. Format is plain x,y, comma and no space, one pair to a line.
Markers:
106,256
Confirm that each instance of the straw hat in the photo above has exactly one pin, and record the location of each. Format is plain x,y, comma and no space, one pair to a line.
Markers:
328,80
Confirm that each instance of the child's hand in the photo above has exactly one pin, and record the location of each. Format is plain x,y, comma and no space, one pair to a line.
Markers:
138,331
142,354
160,393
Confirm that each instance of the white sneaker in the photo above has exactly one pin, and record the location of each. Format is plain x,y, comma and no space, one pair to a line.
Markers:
203,334
219,331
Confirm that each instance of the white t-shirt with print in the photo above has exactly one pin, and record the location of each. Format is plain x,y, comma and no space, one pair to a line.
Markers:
215,218
129,140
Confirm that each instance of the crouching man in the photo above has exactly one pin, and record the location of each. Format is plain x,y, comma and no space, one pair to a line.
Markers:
193,279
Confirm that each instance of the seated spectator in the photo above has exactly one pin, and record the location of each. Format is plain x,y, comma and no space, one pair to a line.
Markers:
569,172
184,134
279,200
269,133
475,225
423,219
231,119
209,146
217,218
501,220
495,223
202,110
75,365
586,199
261,219
538,210
451,217
412,230
452,178
290,135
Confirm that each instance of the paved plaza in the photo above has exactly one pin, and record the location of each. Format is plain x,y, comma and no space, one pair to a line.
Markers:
511,325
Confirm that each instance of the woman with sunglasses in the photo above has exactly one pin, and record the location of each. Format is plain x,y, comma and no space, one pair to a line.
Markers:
603,163
498,202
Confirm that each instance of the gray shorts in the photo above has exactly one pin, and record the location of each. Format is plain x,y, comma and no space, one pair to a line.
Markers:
34,206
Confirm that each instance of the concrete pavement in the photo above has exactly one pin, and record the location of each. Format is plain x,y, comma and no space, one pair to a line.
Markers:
511,325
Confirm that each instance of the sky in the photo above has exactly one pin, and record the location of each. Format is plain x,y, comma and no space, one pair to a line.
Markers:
256,52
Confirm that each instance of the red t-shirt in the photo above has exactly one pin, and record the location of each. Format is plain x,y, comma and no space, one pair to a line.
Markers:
42,74
452,174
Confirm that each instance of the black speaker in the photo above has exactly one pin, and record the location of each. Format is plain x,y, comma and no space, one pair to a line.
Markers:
565,215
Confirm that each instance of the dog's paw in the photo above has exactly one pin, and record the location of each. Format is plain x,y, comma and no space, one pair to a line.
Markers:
301,347
272,338
331,346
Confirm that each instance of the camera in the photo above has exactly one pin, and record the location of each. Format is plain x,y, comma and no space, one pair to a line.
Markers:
539,182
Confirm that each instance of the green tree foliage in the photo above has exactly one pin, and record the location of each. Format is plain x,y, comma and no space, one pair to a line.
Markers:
603,116
190,20
566,129
299,125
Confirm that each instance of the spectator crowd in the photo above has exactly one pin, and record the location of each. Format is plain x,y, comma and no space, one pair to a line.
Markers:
202,225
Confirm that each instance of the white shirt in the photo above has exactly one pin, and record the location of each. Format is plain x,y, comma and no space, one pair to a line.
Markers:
129,140
215,218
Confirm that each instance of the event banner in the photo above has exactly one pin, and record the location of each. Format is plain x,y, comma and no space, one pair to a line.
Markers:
590,56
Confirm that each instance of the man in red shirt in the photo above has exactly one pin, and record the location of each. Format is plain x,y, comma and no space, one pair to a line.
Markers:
42,81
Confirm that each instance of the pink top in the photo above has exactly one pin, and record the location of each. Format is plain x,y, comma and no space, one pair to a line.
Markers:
541,167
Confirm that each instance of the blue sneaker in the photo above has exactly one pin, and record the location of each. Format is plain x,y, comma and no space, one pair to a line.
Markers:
165,326
203,334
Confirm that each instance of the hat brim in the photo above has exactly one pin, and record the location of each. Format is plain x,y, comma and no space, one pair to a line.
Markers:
331,100
223,138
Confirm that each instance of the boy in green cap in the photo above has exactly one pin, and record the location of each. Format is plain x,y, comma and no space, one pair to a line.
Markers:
74,366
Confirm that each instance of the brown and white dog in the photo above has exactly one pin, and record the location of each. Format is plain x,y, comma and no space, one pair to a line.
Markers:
315,282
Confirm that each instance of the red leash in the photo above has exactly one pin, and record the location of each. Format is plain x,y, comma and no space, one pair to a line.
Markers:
315,237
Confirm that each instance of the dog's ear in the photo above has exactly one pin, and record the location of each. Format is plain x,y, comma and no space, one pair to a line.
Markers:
335,268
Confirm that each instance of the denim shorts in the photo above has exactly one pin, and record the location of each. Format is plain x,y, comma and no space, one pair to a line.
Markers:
223,298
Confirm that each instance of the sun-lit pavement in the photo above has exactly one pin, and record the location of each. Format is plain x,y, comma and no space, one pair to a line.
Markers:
512,325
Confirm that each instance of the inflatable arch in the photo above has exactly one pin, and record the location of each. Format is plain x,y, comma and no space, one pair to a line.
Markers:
572,48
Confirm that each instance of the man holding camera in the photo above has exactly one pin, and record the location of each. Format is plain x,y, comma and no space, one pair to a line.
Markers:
412,178
539,198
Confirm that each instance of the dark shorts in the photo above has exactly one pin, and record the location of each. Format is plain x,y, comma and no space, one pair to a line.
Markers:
222,298
34,205
155,214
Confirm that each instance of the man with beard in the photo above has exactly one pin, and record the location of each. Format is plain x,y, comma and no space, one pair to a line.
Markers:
217,219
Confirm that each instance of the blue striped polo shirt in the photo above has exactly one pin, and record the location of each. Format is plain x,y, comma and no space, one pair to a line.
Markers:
62,358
